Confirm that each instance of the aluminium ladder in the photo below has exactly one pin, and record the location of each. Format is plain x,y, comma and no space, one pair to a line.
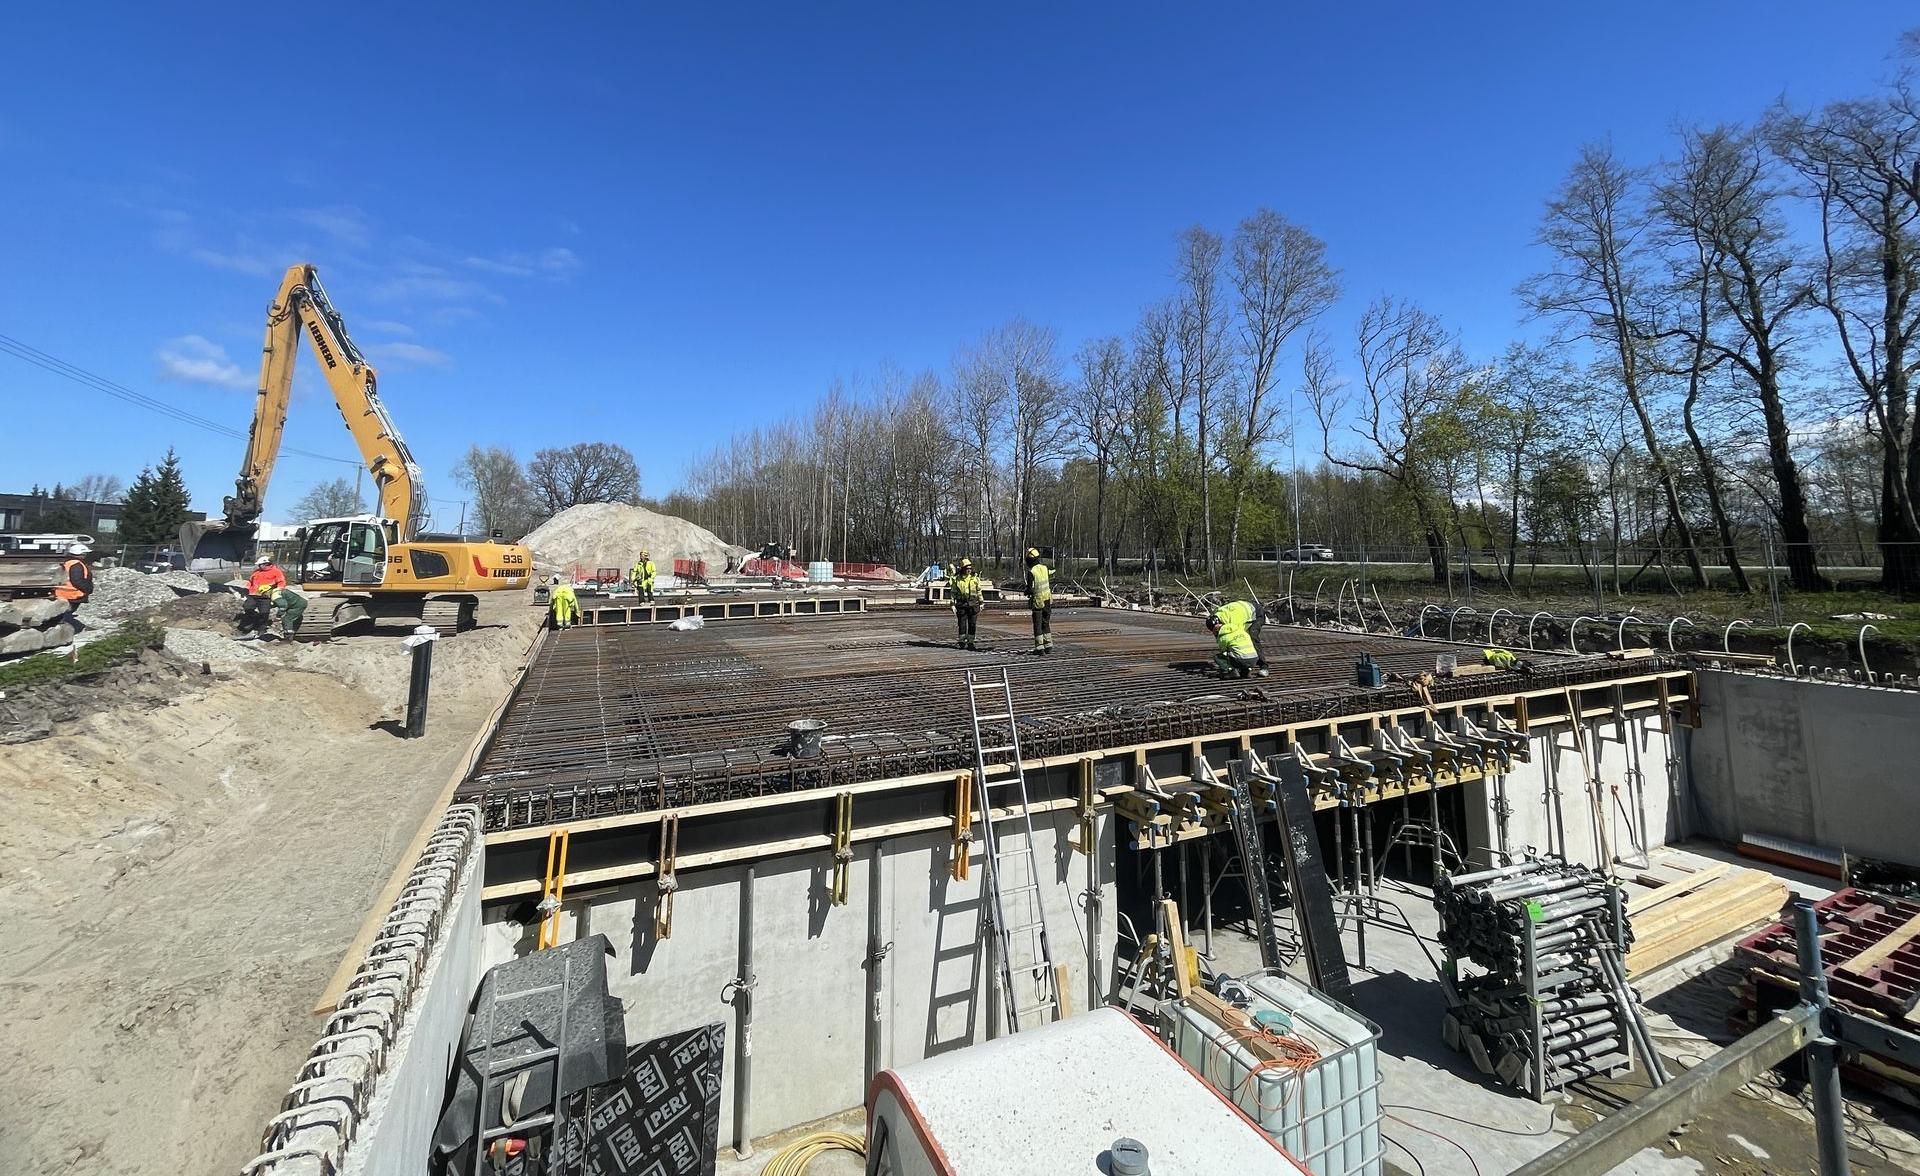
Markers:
1016,923
495,1076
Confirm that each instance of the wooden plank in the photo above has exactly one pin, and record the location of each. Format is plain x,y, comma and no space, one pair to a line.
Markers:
1707,917
1673,890
1889,943
1177,941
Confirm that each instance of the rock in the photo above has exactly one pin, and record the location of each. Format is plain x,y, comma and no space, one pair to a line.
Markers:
24,641
58,634
198,645
32,614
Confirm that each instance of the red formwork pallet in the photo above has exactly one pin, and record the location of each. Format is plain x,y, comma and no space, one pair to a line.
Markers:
1870,949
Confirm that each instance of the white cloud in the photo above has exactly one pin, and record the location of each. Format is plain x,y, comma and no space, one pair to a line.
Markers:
426,283
384,327
558,263
407,355
195,359
343,222
239,261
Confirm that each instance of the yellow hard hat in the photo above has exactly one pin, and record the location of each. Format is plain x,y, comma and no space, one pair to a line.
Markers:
966,563
1033,553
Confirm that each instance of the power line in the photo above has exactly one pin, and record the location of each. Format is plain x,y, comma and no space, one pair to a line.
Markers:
79,375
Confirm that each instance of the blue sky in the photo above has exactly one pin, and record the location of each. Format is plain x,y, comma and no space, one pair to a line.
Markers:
655,224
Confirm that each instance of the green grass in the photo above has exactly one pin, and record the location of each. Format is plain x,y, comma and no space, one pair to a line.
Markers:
122,646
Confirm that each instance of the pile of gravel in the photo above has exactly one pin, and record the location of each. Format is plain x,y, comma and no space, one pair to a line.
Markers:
612,535
119,591
215,649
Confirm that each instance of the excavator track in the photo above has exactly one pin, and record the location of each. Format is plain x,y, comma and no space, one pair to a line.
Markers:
350,615
449,615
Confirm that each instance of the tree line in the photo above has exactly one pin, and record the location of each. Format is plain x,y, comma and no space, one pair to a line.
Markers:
1722,355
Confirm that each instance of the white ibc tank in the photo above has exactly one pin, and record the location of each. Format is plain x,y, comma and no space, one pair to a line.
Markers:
1326,1115
820,572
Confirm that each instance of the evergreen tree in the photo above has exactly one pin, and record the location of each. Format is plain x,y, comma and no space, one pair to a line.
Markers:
156,505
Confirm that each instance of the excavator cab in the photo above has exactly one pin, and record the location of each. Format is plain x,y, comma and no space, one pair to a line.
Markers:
351,551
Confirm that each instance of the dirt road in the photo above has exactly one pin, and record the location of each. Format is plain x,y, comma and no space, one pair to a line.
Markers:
178,884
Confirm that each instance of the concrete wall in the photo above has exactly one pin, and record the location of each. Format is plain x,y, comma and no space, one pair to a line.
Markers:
810,1021
1642,769
1819,762
396,1137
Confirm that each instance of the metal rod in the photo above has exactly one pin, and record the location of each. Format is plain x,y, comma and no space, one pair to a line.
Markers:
743,1010
877,950
1823,1052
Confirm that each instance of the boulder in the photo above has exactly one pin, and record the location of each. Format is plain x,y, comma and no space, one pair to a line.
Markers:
32,614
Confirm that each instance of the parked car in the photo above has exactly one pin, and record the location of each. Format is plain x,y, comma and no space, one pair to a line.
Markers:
1308,553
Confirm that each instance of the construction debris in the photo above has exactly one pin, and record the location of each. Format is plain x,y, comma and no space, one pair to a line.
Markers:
29,626
597,535
119,591
1682,916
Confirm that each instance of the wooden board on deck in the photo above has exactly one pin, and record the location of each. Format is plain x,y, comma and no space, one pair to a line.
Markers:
1702,908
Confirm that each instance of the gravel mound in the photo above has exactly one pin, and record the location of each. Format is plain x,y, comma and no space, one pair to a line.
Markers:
118,591
182,582
610,534
214,649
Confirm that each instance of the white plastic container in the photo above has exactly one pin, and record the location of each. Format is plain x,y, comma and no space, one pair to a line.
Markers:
820,572
1326,1115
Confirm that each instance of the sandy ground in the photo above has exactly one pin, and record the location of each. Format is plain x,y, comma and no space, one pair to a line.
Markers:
180,881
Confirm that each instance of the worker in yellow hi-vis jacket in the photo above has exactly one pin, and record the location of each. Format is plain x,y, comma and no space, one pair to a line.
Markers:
563,605
1040,601
642,576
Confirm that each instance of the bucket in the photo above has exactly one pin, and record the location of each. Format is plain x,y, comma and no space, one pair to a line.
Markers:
803,738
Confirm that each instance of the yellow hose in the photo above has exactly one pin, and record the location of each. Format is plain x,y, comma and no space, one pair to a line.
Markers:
792,1160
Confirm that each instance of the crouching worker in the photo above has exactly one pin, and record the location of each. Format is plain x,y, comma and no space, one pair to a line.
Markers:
1237,654
292,607
1249,617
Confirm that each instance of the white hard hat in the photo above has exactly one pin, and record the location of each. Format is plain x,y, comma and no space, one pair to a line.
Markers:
78,549
263,561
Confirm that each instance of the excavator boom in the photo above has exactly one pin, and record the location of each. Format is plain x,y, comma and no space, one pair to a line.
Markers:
302,309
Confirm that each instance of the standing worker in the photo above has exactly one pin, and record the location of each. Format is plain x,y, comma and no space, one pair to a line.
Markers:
965,587
1237,653
643,573
1040,599
1247,615
76,578
564,606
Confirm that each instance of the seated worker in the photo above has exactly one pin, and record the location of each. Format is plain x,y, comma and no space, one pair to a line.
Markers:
1248,615
256,613
1237,654
292,607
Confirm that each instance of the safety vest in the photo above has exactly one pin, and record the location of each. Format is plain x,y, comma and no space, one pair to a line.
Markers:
1236,642
1236,614
966,590
269,576
1039,586
70,590
562,592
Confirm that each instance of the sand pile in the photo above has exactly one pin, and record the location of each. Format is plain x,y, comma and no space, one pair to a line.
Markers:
611,534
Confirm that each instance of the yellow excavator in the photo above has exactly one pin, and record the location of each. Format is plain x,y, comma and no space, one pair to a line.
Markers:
364,569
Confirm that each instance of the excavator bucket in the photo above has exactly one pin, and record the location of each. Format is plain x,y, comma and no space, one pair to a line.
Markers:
214,547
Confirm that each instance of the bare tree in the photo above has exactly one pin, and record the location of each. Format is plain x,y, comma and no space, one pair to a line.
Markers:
1411,372
329,500
1860,162
1282,280
98,488
591,471
1718,198
1204,359
1008,388
1099,417
503,500
1593,229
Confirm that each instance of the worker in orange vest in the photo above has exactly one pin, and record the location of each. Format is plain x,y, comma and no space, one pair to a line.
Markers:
265,573
76,578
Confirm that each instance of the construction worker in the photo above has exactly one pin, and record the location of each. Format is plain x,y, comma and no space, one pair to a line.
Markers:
965,587
1499,659
643,574
76,578
265,571
1040,601
563,605
1247,615
1237,654
256,613
292,607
